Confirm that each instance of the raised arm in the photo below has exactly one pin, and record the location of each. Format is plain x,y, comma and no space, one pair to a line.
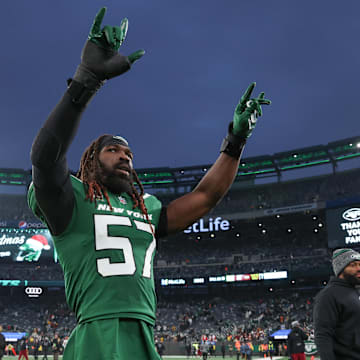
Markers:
183,211
100,61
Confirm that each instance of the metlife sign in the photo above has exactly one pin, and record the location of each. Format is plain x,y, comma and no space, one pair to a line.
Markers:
343,225
211,225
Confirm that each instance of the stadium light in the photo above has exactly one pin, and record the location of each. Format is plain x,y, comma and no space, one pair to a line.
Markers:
320,225
289,230
316,230
358,145
260,224
263,231
314,217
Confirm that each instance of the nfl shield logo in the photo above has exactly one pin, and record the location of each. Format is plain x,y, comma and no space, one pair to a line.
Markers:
122,200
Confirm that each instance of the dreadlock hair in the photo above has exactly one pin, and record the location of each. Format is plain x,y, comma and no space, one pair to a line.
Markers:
88,174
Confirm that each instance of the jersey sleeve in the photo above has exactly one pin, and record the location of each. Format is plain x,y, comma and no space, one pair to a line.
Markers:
53,206
158,214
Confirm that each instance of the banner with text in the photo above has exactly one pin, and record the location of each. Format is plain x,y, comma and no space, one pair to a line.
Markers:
26,245
343,226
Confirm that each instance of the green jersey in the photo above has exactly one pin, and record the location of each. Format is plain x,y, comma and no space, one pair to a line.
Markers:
107,256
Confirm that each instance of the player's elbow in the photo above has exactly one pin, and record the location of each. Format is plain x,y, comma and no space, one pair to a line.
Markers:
45,150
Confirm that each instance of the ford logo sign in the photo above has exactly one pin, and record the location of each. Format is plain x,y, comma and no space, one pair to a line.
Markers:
351,214
33,291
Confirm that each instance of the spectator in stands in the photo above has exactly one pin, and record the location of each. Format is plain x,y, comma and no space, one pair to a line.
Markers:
271,349
23,348
2,343
56,346
36,347
337,309
237,347
296,342
45,345
160,347
188,349
231,348
248,351
10,350
65,341
223,349
242,350
205,348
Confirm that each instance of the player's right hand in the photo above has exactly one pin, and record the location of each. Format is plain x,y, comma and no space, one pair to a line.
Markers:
100,59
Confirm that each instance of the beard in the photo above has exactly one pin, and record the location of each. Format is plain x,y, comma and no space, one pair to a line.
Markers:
116,183
351,279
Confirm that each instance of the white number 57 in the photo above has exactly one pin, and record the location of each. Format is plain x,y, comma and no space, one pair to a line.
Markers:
103,241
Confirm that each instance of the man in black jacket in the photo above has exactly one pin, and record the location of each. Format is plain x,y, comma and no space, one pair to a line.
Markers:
296,342
337,310
56,346
45,346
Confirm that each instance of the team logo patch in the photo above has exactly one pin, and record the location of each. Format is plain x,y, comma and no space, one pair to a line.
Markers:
122,200
310,348
352,214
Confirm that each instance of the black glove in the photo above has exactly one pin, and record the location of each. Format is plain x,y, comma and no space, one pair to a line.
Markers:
100,59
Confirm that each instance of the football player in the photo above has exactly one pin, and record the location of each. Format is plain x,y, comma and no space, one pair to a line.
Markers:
104,227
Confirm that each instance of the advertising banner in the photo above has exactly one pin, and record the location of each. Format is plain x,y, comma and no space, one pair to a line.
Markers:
26,245
343,226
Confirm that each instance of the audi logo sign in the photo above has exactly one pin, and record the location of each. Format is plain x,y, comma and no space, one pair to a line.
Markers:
33,291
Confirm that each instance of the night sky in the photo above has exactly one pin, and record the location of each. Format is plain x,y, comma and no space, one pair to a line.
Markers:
175,104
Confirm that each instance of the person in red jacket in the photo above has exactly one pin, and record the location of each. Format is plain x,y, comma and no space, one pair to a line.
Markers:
23,348
296,342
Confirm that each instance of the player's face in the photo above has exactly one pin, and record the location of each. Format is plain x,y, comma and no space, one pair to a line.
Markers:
352,273
116,168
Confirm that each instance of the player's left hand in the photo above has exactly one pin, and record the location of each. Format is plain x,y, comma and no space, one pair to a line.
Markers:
247,112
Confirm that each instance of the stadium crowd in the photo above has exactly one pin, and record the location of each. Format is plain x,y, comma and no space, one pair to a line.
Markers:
183,322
